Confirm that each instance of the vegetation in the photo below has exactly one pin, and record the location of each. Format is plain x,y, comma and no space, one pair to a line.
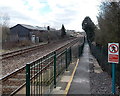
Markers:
63,32
89,27
108,23
108,30
48,27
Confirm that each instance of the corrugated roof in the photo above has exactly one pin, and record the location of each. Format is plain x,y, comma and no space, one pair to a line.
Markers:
34,27
29,27
41,28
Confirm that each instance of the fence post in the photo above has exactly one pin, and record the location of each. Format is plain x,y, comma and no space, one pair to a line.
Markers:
54,69
82,47
28,79
66,59
79,50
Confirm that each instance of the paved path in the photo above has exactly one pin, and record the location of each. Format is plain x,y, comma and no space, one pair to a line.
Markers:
81,80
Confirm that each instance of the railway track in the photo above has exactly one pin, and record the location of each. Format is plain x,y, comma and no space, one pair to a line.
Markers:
15,81
21,51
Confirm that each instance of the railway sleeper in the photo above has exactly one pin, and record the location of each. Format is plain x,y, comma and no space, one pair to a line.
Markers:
13,82
19,76
17,79
23,74
15,87
8,90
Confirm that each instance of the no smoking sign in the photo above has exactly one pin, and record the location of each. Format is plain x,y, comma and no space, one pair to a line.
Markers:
113,52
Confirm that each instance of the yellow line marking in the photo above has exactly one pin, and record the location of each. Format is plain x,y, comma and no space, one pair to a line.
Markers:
69,83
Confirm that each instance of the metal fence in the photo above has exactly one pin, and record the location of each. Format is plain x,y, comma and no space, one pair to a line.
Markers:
42,74
101,54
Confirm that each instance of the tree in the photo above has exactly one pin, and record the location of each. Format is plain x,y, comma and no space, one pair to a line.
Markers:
4,23
89,27
48,27
109,23
109,28
63,32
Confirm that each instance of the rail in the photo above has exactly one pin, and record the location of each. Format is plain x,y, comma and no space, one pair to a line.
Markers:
23,67
24,50
20,51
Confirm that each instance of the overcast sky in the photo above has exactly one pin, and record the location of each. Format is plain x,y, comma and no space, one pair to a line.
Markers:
50,12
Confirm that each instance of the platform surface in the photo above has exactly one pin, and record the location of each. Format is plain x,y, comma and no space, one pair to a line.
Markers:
81,81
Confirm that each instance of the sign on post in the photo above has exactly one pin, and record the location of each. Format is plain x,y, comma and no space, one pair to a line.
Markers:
113,52
113,57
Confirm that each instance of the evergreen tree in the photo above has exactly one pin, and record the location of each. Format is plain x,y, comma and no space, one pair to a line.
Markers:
89,27
63,33
48,27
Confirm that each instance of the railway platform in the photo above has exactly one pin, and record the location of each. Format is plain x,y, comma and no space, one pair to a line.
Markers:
85,76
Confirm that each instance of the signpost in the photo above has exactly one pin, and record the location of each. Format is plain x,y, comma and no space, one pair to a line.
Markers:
113,57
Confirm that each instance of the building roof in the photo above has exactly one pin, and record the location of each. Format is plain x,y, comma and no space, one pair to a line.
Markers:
33,27
41,28
36,27
30,27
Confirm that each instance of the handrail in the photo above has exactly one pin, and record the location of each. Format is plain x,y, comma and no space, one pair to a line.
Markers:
42,61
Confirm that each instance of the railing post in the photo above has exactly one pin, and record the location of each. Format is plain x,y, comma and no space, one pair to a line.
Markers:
54,69
70,55
27,79
66,59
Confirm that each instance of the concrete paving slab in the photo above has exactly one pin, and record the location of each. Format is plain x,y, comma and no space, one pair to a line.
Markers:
65,79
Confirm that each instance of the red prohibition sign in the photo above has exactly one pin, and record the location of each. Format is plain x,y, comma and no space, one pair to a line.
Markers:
114,48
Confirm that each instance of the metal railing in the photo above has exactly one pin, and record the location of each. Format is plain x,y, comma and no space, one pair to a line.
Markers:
42,74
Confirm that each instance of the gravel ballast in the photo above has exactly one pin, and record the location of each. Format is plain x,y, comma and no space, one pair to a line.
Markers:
100,81
11,64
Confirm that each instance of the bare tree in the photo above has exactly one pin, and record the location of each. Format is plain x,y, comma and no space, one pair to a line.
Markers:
4,23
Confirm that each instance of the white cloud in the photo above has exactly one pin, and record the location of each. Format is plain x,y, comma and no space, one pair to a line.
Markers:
67,12
72,12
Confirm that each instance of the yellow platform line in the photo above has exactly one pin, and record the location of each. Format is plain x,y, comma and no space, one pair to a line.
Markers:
71,78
